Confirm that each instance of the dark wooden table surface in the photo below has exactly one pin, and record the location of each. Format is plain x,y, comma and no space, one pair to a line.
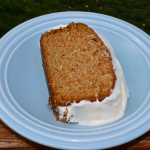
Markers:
11,140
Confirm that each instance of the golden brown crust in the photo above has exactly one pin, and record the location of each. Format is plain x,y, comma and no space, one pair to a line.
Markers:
78,65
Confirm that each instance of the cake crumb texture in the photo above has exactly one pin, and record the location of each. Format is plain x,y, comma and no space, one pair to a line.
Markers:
78,65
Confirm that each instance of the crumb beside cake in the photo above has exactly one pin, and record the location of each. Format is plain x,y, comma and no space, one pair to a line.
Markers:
78,67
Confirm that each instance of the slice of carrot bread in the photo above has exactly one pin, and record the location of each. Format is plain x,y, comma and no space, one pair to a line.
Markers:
78,65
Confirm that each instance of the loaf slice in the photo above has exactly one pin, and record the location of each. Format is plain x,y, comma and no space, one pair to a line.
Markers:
77,64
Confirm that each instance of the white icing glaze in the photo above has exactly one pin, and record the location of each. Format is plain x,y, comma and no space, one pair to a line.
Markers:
111,109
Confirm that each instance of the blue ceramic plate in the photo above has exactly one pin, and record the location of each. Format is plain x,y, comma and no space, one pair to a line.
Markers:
24,94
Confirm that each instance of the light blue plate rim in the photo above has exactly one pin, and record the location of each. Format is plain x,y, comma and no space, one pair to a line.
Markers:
19,127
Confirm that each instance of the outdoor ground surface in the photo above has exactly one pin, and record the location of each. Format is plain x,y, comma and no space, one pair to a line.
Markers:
14,12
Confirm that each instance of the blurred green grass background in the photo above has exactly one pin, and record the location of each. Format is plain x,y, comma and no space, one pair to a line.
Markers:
14,12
